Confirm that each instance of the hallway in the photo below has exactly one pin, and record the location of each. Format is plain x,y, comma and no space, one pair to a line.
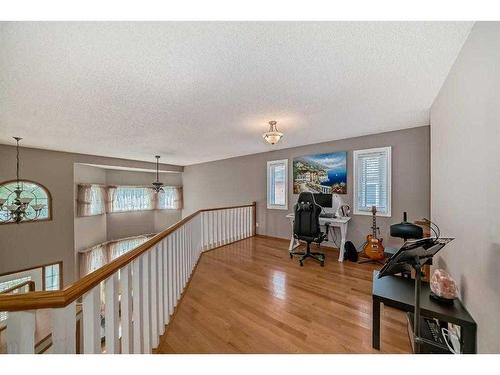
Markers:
250,297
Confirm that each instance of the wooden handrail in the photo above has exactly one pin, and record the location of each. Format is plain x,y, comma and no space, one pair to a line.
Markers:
61,298
30,283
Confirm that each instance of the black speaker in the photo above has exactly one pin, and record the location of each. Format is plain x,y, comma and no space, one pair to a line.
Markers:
350,251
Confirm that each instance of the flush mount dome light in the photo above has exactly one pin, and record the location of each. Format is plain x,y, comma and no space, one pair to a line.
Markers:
273,135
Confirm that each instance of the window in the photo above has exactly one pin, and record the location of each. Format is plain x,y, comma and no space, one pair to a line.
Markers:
47,277
7,285
170,198
91,200
97,256
277,184
372,181
133,198
52,277
38,194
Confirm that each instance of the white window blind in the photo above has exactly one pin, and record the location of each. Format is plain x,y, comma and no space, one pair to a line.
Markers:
277,184
372,181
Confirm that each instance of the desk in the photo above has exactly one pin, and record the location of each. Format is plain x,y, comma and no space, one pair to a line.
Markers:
399,293
340,222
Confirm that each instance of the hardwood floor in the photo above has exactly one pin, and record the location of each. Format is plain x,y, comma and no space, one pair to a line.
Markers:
250,297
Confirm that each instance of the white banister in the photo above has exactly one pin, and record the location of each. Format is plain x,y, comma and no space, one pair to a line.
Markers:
220,242
178,266
233,224
209,230
154,297
166,282
137,298
20,332
64,330
170,278
91,303
161,290
145,303
238,223
132,302
111,316
126,310
182,256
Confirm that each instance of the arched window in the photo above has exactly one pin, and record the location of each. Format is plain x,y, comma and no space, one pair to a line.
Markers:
35,197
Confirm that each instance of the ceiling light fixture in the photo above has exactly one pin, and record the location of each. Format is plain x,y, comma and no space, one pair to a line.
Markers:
19,204
157,185
273,135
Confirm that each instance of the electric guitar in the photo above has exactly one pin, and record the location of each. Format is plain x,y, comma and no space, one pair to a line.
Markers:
373,248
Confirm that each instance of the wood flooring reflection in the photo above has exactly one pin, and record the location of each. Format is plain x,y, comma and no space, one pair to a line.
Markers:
250,297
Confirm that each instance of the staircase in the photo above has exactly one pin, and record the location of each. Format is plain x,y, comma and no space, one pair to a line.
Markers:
124,306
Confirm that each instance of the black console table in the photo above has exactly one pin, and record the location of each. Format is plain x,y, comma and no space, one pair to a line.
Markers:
399,292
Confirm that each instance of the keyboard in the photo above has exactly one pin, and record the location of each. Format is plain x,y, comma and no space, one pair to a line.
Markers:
327,215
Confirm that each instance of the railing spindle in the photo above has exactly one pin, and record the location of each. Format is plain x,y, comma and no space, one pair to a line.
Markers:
145,303
154,297
210,229
20,332
126,310
92,321
170,279
166,286
183,256
137,310
177,268
111,317
161,290
64,329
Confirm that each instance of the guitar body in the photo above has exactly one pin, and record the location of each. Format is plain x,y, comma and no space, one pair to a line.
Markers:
373,248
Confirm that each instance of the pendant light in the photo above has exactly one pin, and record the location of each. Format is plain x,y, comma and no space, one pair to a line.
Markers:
157,185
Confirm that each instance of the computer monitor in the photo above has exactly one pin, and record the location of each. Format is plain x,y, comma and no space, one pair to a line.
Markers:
324,200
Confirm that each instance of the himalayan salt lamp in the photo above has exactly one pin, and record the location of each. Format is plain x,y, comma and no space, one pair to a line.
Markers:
444,289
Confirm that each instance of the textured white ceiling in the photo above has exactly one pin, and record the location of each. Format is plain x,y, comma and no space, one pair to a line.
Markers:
195,92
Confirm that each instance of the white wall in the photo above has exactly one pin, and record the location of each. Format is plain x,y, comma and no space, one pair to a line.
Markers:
465,177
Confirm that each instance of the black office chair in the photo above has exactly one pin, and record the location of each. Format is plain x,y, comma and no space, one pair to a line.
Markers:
306,227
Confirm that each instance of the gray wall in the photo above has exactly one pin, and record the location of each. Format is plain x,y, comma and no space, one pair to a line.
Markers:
89,230
31,244
465,170
243,180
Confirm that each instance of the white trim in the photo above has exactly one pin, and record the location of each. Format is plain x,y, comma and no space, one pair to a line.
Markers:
274,206
355,154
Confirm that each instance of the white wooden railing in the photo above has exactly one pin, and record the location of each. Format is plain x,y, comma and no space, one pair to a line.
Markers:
141,290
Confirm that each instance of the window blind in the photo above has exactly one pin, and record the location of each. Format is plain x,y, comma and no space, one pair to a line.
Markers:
372,180
277,172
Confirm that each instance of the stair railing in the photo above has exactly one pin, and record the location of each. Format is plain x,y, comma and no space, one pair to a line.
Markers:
141,289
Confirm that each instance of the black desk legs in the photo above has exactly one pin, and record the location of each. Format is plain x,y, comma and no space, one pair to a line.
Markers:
376,324
468,339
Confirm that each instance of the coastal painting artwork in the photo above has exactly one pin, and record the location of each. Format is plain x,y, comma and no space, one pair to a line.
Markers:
321,173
